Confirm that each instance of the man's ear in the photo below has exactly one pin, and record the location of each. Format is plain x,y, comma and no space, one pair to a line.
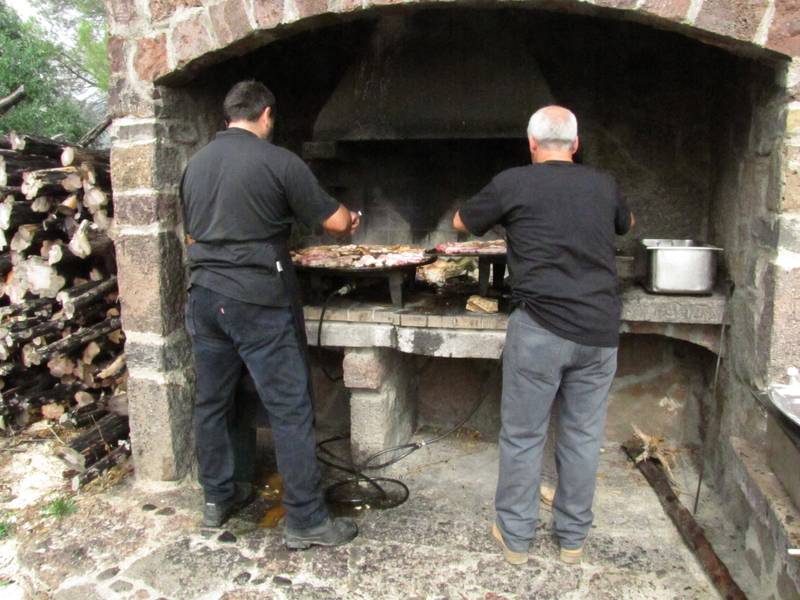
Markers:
267,113
576,145
532,144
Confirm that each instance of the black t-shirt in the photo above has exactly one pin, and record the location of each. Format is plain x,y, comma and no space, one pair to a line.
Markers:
560,219
240,196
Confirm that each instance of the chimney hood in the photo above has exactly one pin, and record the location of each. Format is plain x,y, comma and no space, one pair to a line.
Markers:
436,79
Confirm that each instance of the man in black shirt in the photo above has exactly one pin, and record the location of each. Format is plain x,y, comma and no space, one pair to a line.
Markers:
560,220
240,196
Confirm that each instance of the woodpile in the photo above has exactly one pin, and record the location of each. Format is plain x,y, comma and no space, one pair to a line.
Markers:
61,342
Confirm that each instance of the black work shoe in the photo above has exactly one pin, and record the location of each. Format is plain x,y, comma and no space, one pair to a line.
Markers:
333,531
216,513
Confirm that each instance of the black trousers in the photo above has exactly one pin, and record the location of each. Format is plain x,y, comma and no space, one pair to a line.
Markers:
226,335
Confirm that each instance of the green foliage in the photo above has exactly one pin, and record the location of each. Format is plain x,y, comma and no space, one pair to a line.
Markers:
95,56
28,58
6,527
60,507
87,20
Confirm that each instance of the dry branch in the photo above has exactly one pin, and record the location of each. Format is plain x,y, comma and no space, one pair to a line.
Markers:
95,132
14,98
692,532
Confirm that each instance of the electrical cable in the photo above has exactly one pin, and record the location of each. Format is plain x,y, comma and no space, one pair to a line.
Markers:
382,498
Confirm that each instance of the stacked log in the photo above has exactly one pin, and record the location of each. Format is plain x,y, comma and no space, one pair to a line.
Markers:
61,343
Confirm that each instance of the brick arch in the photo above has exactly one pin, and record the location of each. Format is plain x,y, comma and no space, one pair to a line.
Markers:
173,39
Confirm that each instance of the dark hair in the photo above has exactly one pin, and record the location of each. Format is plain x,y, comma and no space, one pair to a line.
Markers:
246,101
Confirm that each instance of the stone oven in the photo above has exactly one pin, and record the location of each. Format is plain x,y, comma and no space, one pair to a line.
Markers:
404,110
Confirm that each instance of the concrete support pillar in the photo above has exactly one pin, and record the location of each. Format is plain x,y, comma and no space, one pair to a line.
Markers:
383,387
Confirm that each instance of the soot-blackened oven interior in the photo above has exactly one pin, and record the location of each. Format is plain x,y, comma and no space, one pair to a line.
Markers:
406,116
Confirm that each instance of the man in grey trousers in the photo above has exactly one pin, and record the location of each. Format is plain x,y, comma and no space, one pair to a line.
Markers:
561,219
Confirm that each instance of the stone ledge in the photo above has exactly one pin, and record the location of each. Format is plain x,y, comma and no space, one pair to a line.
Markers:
695,319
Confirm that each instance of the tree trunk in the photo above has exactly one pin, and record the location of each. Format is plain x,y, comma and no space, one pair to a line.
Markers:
77,155
14,213
95,442
56,182
13,164
119,455
41,307
96,175
74,299
34,144
72,342
58,393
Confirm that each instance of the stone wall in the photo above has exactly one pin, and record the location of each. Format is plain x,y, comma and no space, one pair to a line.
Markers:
169,61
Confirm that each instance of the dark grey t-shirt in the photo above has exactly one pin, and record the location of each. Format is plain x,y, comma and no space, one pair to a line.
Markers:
561,219
240,196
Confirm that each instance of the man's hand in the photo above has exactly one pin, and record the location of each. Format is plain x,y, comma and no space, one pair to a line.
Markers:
458,223
341,223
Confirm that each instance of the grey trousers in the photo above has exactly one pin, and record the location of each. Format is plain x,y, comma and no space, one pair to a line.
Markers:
539,367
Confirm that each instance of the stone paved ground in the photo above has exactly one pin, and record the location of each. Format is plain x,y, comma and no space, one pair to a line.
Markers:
434,546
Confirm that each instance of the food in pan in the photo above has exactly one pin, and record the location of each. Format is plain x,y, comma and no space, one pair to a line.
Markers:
358,256
474,247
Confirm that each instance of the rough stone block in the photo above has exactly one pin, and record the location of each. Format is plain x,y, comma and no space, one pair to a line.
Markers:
623,4
116,55
151,282
121,12
163,354
386,417
308,8
789,234
144,167
160,9
162,432
268,13
790,188
126,101
784,34
366,368
738,19
788,585
785,352
230,21
191,39
147,209
674,10
150,60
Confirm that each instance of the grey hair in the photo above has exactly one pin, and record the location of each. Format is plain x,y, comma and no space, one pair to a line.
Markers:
554,128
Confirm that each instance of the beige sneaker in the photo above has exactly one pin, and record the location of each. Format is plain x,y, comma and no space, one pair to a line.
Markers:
515,558
572,557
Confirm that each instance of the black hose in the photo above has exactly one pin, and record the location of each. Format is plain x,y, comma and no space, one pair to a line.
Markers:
340,292
382,500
